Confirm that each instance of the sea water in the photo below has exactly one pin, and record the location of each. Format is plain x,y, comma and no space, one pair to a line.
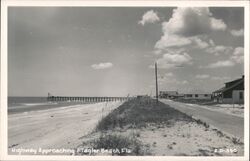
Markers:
26,104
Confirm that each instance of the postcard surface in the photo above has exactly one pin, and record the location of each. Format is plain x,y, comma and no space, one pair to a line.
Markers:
120,80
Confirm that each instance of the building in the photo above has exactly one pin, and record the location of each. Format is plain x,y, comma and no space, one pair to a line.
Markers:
175,95
168,94
198,96
232,92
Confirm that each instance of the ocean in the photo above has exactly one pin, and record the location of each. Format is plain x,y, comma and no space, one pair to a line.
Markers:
26,104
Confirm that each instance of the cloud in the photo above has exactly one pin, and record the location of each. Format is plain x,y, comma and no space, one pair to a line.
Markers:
217,24
157,52
174,60
192,21
200,43
149,17
223,63
168,75
171,80
237,33
202,76
216,78
102,65
169,40
183,82
186,28
238,55
219,49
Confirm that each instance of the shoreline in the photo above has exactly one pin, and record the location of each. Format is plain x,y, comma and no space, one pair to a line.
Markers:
56,127
44,106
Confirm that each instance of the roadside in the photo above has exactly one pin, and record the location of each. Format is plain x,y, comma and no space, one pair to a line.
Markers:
232,109
236,109
228,123
141,127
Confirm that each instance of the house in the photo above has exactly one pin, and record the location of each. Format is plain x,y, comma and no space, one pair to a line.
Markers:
175,94
168,94
198,96
232,92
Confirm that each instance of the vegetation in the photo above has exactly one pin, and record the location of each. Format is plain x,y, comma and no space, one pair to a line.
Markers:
138,112
237,141
121,145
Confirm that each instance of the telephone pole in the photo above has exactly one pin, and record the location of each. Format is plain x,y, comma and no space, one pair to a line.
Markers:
156,83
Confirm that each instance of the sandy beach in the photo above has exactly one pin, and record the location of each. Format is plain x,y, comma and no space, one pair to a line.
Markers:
55,128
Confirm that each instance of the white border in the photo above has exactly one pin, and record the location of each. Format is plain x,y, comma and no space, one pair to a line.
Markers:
4,85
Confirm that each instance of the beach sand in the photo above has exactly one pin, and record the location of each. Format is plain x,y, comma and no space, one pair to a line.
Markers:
55,128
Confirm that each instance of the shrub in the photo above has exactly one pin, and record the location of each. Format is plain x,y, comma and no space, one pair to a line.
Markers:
236,141
113,141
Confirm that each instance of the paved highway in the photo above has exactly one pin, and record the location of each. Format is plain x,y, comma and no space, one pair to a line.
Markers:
231,124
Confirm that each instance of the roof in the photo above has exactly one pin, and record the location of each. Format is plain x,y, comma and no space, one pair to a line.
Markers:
228,88
169,92
219,90
198,93
236,80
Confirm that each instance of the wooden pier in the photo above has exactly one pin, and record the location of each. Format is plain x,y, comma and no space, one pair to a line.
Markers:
85,99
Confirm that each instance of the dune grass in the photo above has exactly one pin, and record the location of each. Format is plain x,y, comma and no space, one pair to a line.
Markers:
121,145
138,112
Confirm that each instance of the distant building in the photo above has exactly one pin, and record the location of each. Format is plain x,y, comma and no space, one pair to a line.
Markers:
175,94
198,96
142,96
168,94
232,92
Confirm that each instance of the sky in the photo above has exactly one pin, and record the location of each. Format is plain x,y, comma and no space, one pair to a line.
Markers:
91,51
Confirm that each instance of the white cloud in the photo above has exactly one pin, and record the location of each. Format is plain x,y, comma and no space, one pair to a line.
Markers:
168,75
202,76
184,82
237,32
216,78
211,42
167,78
149,17
219,49
192,21
173,81
223,63
200,43
102,65
157,52
174,60
217,24
170,40
187,26
238,55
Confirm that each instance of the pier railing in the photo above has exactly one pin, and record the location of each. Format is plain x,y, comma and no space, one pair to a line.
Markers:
86,99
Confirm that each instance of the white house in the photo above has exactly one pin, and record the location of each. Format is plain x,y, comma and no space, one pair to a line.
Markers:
198,96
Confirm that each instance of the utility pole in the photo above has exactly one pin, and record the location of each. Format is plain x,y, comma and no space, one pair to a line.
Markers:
156,83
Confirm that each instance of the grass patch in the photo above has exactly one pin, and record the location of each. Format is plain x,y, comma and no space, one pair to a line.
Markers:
236,141
199,122
138,112
120,145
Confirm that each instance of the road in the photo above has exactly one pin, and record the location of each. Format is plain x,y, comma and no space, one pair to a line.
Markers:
231,124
